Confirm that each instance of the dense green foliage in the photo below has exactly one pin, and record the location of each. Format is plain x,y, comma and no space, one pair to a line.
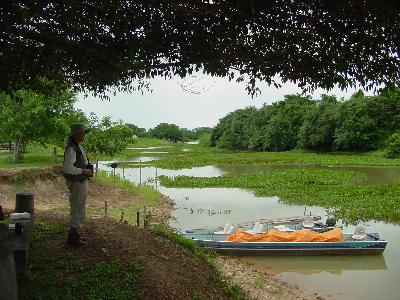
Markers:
393,146
170,132
97,44
63,277
362,123
173,133
139,132
107,137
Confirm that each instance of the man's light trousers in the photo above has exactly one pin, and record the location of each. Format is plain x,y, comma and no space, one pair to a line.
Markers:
77,201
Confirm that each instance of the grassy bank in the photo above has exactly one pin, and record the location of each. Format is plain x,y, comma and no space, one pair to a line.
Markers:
147,197
63,277
59,272
30,159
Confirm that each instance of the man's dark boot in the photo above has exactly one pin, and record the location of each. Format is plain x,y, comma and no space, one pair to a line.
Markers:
74,238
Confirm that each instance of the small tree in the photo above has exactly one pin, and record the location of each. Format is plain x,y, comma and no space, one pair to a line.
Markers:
393,146
28,116
167,131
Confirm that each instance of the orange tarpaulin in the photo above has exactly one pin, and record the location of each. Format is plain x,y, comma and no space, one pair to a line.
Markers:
274,235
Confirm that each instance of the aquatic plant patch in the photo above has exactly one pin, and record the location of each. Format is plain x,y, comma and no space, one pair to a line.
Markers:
322,187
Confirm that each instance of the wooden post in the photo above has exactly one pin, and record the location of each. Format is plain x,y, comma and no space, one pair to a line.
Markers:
137,218
140,172
105,208
123,171
1,214
144,217
8,277
145,222
24,202
156,178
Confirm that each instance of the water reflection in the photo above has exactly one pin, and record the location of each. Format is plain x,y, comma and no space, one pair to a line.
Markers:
315,264
145,148
135,159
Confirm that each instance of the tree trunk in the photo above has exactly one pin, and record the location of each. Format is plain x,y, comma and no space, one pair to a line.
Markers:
55,154
17,149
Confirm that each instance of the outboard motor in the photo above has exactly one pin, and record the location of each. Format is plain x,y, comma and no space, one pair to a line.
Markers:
330,222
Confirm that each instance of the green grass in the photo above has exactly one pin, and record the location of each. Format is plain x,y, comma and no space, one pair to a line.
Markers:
149,142
147,196
327,188
66,277
200,155
204,156
30,159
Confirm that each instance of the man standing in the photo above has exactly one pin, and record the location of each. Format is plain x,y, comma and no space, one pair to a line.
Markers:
76,172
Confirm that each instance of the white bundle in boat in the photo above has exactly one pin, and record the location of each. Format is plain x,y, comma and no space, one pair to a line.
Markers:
257,228
228,229
359,233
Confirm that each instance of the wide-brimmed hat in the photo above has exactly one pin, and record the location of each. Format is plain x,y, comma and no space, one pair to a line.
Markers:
78,127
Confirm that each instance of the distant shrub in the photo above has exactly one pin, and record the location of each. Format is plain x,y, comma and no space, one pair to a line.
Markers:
204,139
393,146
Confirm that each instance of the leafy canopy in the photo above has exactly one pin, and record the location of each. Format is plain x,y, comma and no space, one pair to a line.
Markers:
167,131
362,123
95,44
107,137
38,117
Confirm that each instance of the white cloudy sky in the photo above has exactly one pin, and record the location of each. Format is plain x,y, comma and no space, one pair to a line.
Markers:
169,102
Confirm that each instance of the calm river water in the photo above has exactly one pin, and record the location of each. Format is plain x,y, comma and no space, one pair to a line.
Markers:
333,277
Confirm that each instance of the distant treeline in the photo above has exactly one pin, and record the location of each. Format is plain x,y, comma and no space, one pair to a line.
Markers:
361,123
170,132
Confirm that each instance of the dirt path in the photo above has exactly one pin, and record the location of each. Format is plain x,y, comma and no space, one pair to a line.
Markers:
170,272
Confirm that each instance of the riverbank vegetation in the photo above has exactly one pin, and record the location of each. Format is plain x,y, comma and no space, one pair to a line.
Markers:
183,155
146,197
361,123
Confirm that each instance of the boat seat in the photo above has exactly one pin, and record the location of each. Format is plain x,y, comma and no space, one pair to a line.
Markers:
228,229
308,222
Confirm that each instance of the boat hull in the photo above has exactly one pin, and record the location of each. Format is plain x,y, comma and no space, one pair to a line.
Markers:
294,248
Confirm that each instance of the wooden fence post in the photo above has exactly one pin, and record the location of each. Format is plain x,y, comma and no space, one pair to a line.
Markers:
24,202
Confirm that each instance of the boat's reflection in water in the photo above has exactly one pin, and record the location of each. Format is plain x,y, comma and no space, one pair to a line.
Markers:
316,264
